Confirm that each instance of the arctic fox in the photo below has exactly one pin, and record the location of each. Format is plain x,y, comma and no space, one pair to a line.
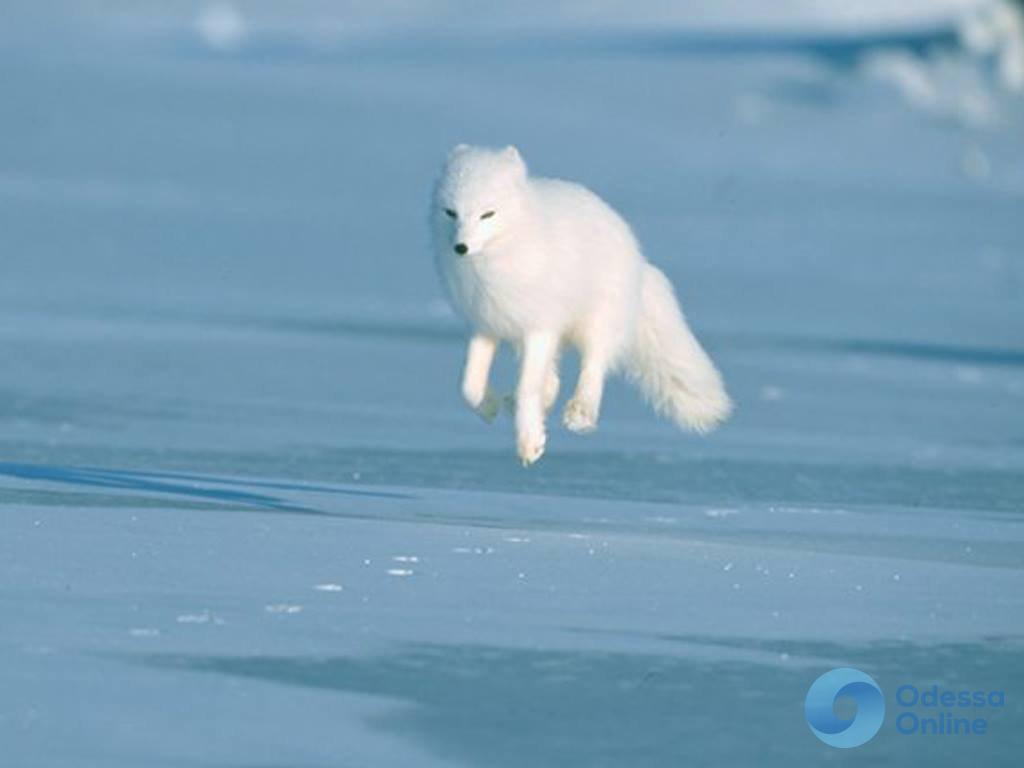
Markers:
544,263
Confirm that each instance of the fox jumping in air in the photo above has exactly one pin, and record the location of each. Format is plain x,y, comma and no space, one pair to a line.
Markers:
545,264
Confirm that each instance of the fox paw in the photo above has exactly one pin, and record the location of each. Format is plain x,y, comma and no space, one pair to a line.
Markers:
485,404
531,444
489,407
579,416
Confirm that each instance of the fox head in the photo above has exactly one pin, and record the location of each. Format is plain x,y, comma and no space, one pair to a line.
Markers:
479,195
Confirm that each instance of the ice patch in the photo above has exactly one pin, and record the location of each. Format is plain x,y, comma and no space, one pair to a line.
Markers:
283,608
473,550
808,510
996,30
205,617
716,512
399,572
662,520
945,85
329,587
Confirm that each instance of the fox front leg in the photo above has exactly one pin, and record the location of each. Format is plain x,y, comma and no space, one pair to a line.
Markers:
475,391
538,354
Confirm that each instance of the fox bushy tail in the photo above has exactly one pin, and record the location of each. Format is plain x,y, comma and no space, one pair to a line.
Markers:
669,365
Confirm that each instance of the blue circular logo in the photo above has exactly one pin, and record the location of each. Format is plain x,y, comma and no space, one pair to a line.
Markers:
819,707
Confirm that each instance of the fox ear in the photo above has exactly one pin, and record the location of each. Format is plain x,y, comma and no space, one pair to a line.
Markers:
511,154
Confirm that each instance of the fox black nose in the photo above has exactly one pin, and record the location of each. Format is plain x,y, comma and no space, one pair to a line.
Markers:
460,248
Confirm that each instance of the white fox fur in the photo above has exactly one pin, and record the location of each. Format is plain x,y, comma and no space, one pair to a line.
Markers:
544,263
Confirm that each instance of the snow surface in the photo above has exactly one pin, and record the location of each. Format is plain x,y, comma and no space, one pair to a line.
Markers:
245,520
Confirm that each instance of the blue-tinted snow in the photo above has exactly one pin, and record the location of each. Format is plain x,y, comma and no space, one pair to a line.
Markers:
245,520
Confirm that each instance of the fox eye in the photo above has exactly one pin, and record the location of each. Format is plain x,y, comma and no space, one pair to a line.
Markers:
487,215
450,212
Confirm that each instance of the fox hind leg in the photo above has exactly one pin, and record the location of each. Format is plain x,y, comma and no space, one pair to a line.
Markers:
581,412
